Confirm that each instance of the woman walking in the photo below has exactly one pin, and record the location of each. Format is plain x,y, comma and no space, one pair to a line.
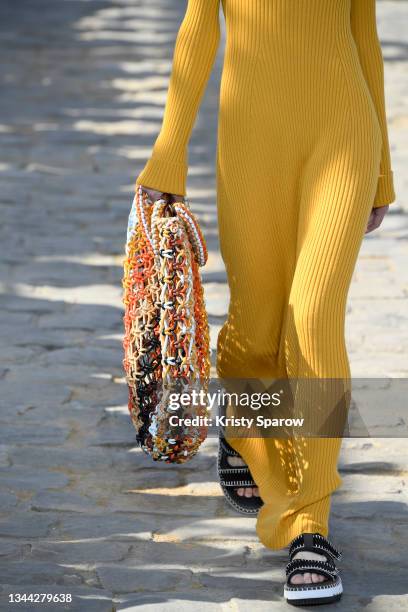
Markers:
303,172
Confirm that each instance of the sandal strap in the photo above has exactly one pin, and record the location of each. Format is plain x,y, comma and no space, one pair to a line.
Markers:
236,477
228,449
314,542
299,566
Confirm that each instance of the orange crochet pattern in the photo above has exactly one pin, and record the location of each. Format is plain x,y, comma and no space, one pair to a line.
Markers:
166,342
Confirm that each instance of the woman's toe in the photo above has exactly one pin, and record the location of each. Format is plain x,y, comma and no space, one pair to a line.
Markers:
255,491
297,579
240,491
248,492
307,578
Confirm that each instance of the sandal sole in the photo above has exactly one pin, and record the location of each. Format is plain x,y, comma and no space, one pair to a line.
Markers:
307,596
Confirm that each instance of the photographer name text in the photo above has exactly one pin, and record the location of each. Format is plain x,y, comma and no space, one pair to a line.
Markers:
224,421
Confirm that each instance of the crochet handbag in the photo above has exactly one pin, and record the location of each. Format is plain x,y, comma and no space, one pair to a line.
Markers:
166,341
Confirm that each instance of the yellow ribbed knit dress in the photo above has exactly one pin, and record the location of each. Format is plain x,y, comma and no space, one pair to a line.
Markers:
302,158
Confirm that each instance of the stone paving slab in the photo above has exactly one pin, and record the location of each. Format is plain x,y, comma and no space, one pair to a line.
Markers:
82,510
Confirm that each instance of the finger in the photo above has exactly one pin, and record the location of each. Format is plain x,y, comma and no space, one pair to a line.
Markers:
147,189
376,217
370,228
379,214
376,222
153,194
177,198
370,221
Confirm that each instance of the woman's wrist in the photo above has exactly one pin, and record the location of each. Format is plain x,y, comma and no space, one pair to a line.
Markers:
155,194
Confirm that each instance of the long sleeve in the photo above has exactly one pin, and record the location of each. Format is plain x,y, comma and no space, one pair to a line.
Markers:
364,29
194,54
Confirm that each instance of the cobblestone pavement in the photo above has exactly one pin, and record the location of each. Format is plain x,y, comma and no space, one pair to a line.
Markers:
82,510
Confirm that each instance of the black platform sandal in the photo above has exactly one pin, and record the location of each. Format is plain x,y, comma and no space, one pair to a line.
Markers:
325,592
233,477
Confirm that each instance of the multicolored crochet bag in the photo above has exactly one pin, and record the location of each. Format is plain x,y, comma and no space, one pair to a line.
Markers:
166,342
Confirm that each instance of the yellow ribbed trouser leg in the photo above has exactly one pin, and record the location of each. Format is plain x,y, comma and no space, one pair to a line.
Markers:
290,248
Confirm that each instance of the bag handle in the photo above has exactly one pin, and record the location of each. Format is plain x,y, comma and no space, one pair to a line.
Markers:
182,212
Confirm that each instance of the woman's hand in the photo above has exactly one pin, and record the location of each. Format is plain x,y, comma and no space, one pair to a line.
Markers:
376,217
156,195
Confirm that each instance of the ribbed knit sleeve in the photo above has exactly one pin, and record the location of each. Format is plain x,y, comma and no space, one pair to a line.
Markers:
194,54
364,28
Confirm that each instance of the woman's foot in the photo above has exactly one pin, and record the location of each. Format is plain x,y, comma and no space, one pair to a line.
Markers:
308,577
242,491
236,481
311,574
